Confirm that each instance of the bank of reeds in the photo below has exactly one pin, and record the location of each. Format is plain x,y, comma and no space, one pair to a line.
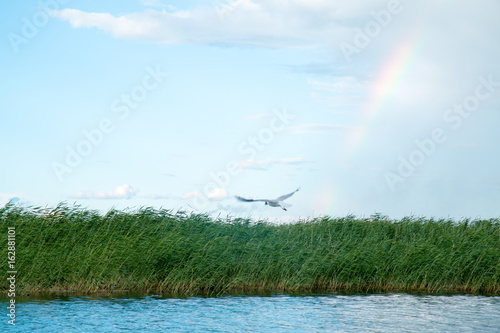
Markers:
69,249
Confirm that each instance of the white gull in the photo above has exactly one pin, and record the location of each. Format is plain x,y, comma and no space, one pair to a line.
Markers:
278,202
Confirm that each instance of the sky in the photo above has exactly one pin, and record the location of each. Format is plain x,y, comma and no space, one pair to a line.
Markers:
368,106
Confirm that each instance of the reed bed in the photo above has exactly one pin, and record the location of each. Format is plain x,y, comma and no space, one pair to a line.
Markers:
70,249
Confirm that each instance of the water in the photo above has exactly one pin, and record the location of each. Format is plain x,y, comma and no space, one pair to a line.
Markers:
278,313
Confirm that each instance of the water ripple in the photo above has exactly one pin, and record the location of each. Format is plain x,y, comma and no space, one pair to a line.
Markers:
278,313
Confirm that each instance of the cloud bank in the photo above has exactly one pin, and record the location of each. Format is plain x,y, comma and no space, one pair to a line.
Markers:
270,23
124,191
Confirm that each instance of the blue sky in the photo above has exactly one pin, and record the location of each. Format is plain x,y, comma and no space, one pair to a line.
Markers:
368,106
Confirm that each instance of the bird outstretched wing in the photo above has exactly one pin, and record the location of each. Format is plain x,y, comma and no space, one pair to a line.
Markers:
247,200
286,196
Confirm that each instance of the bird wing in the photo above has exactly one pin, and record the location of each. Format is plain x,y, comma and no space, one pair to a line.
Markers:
286,196
248,200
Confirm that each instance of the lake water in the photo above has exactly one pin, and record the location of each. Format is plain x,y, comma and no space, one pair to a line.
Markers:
275,313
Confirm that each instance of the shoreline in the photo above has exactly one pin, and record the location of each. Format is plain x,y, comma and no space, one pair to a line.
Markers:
184,291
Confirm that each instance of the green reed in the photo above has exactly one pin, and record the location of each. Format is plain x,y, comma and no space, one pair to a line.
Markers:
148,250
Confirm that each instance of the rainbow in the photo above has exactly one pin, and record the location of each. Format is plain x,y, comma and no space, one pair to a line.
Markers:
381,92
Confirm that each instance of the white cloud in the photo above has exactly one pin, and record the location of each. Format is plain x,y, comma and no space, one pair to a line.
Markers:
191,195
121,192
267,163
217,194
270,23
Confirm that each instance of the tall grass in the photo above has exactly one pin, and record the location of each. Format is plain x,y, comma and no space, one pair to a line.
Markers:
148,250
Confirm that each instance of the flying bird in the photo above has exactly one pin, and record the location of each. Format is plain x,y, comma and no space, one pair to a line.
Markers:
278,202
